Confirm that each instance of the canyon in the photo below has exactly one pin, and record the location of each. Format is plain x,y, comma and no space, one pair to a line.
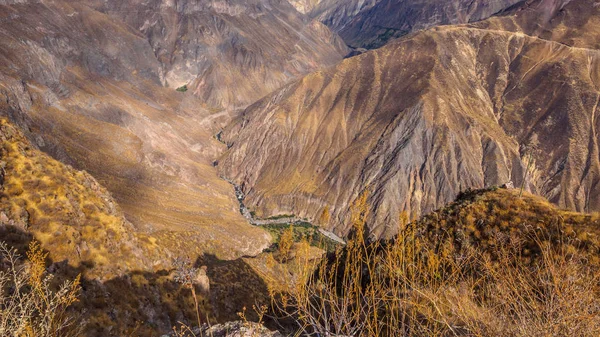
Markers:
427,116
138,133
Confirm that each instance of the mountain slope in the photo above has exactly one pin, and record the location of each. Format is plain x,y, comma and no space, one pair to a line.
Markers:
372,23
127,277
233,52
304,6
65,209
425,117
493,263
93,83
484,218
92,98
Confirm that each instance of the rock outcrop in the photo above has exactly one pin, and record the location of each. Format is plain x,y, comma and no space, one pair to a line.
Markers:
305,6
234,329
427,116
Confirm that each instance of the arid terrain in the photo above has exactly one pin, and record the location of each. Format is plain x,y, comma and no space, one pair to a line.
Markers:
140,139
91,85
427,116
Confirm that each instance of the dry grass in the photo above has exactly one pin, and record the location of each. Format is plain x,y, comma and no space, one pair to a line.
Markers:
65,209
29,307
491,264
126,276
286,241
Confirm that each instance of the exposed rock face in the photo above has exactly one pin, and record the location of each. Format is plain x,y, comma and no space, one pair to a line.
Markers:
336,14
235,329
372,23
85,81
427,116
230,52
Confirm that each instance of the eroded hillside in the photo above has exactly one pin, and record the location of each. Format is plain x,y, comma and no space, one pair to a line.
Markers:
229,53
432,114
127,277
93,84
65,209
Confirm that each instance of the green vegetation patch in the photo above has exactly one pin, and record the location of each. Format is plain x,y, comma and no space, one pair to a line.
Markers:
183,88
302,231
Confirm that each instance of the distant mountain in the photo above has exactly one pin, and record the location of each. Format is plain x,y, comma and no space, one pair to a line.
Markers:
430,115
232,52
372,23
141,135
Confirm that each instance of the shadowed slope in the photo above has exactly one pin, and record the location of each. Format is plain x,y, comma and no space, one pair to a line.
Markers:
64,209
372,23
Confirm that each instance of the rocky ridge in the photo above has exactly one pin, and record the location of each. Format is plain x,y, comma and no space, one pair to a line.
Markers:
304,6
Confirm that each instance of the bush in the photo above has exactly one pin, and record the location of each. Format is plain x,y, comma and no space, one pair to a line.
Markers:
286,241
182,89
28,305
432,283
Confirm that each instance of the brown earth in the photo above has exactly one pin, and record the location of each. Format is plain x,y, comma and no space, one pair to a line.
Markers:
429,115
372,23
229,52
127,277
304,6
93,84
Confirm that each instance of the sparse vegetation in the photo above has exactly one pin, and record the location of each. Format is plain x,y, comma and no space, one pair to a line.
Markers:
491,264
187,275
281,216
65,209
285,244
325,216
183,88
29,307
301,231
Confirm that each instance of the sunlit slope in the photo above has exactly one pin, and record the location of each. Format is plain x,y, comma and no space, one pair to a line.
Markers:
425,117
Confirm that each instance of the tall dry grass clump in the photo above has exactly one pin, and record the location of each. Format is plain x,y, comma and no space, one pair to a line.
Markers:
527,281
286,242
29,307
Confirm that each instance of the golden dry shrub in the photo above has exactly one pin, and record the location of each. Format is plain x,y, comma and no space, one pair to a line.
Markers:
325,216
535,278
286,242
29,305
